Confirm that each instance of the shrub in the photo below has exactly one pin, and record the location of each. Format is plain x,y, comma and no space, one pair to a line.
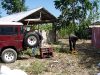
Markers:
28,52
56,49
36,68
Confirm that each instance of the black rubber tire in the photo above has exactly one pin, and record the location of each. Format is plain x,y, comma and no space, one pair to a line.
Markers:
39,35
7,58
34,39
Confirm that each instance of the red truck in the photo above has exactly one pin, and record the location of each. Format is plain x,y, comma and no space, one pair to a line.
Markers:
14,39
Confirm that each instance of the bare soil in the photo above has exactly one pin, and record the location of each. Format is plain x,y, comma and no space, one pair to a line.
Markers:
63,62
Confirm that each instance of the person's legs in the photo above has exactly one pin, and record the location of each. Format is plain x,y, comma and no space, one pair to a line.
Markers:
74,51
70,44
74,45
33,51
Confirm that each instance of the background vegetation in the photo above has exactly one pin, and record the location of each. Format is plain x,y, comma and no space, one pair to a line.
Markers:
76,15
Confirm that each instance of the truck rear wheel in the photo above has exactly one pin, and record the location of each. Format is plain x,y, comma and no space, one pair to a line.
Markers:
31,40
9,55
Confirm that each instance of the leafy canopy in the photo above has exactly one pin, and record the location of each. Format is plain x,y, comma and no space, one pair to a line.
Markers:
13,6
75,9
75,13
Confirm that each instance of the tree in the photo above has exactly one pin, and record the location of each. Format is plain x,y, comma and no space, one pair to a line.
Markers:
13,6
75,12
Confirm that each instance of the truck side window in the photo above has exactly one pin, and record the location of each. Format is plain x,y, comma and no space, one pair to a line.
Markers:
8,30
15,30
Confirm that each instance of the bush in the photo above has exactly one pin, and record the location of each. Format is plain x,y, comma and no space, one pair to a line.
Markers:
61,50
36,68
28,52
56,49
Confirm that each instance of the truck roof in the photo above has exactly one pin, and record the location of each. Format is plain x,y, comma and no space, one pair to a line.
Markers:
10,23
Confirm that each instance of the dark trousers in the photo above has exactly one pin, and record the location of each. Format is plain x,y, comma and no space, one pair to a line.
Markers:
72,44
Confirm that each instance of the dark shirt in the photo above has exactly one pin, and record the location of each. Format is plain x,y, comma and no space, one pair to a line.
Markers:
40,36
73,38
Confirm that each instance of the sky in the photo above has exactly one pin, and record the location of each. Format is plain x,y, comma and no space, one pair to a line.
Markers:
47,4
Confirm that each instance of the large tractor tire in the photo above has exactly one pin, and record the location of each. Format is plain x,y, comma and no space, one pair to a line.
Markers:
31,39
9,55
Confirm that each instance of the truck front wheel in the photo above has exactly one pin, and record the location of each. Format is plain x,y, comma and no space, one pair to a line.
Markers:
9,55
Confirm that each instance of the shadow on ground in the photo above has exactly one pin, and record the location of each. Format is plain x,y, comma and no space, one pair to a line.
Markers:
89,55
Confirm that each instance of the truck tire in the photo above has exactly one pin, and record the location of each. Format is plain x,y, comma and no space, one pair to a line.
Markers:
31,40
9,55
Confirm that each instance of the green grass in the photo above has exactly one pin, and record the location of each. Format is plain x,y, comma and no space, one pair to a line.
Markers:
36,68
29,52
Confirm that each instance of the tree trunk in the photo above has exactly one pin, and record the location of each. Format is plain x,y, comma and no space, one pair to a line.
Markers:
54,33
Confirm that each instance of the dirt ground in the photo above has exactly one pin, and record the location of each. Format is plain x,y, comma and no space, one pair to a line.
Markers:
63,62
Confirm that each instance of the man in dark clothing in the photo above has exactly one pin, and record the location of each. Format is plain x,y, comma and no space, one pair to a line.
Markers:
40,37
72,41
39,44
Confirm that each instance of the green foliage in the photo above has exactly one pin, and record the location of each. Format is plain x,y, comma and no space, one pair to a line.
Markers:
75,13
82,31
62,32
67,30
13,6
56,49
36,68
61,49
28,52
46,27
34,27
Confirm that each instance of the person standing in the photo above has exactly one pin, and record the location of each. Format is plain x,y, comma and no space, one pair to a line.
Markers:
39,44
72,42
